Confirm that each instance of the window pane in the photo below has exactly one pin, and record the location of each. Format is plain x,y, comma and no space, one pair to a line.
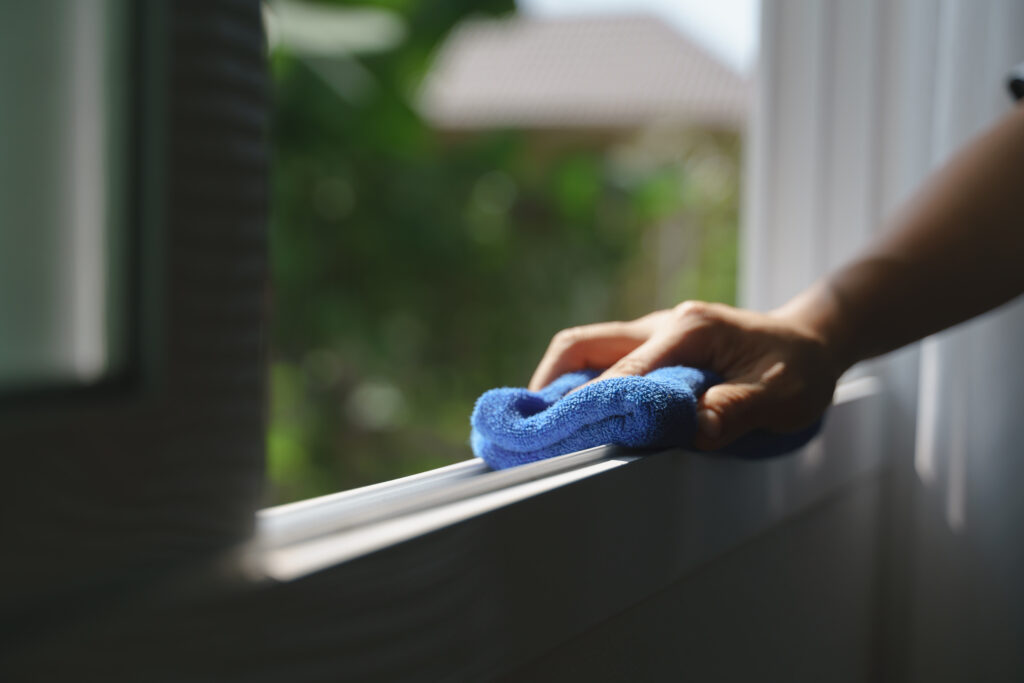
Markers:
62,105
449,191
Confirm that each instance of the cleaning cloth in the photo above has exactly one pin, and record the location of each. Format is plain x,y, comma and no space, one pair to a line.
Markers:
513,426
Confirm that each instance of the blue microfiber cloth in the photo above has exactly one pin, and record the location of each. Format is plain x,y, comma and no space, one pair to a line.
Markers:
658,410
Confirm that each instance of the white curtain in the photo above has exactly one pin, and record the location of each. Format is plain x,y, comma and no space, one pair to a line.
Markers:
858,102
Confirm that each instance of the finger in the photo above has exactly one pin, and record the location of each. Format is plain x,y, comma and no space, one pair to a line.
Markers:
696,333
646,357
728,411
590,346
704,335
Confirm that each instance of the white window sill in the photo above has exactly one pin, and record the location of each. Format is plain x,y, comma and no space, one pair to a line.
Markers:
741,496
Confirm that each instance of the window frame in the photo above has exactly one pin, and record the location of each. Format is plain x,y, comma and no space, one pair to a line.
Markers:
137,221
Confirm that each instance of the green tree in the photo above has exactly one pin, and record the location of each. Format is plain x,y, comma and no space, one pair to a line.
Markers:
411,273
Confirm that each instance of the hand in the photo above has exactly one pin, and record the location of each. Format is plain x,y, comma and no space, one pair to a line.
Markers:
779,372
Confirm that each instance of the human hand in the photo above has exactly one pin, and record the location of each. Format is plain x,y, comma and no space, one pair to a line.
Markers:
779,372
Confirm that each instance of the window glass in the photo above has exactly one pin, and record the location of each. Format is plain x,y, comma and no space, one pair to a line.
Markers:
62,99
454,184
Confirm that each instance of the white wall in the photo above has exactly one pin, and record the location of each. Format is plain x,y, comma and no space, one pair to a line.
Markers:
858,102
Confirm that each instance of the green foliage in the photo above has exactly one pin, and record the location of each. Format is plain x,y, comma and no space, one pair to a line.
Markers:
411,273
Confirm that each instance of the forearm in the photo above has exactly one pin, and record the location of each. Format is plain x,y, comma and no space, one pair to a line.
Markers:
956,251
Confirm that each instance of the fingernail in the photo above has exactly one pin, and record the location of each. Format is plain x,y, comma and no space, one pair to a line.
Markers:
708,423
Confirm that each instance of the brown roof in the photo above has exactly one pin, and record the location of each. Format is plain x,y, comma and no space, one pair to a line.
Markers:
607,72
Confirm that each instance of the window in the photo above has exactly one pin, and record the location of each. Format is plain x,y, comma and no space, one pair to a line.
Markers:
590,537
64,300
450,193
137,515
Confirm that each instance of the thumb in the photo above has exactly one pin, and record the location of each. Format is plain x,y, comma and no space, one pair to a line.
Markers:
728,411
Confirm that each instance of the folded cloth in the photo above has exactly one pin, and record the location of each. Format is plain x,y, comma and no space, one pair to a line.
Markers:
515,426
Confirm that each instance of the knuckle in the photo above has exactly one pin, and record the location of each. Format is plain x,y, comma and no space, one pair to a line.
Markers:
696,313
691,308
697,322
734,404
567,337
729,404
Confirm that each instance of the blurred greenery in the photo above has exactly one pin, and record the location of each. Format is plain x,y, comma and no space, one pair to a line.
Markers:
412,270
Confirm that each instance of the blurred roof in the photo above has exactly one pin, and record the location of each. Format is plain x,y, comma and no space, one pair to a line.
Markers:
607,72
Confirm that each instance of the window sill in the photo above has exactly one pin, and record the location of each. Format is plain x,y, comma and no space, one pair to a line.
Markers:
299,538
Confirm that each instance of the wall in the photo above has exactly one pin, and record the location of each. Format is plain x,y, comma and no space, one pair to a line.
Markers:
859,102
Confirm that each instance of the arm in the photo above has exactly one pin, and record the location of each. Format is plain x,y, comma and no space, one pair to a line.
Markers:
957,250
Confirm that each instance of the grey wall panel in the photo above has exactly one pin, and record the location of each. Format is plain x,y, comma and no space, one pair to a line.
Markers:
166,467
795,604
